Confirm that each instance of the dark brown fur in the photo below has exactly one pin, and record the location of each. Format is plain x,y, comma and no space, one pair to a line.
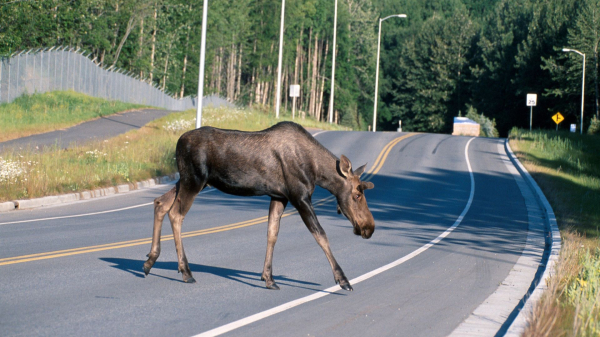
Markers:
284,162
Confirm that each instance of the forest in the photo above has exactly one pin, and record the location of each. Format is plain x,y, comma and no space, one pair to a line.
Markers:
444,59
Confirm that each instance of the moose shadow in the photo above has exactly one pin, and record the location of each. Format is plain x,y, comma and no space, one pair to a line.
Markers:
248,278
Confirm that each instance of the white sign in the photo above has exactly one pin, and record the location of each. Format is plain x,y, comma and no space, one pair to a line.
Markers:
295,90
573,128
531,99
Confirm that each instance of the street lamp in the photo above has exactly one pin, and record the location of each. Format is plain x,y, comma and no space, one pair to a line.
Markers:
278,102
333,65
377,71
202,58
582,82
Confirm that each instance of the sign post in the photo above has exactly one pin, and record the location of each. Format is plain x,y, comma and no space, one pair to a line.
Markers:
531,102
294,92
558,118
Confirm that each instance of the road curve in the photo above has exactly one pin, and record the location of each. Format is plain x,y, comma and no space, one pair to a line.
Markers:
83,275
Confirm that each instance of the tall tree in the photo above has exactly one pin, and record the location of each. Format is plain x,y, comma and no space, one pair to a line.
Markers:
428,92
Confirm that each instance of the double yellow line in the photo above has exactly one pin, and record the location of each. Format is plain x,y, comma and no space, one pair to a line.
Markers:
383,156
123,244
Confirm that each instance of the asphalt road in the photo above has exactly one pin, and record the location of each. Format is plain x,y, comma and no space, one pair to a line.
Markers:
82,275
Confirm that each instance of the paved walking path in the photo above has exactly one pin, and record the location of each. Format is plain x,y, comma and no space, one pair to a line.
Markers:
98,129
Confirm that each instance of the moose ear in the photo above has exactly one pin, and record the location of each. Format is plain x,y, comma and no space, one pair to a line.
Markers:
345,166
367,185
359,171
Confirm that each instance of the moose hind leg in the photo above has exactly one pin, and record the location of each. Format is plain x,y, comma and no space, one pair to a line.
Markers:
275,211
182,205
161,207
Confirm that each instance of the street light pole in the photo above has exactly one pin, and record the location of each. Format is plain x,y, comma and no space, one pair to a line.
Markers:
377,69
280,59
202,58
333,65
582,83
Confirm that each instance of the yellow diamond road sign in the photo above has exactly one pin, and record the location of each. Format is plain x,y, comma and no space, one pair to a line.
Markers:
558,118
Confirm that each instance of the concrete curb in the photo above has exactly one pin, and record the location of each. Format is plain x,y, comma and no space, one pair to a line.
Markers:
85,195
7,206
553,242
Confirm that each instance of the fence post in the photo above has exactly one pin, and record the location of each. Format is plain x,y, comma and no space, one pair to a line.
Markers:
79,84
18,72
8,91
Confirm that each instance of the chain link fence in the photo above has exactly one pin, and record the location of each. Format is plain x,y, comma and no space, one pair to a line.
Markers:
64,68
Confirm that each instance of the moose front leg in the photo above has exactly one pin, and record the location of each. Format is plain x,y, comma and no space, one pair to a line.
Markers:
309,217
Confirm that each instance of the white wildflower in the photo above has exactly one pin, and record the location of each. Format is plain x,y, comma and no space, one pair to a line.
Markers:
10,171
178,125
95,154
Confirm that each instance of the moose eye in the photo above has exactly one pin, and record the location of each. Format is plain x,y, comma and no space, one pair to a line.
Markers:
357,197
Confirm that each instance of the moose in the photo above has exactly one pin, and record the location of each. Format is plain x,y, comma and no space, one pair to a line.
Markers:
284,162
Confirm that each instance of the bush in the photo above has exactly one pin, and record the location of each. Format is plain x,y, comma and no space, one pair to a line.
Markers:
488,126
594,128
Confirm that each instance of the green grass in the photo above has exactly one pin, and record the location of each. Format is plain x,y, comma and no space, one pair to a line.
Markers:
566,166
37,113
134,156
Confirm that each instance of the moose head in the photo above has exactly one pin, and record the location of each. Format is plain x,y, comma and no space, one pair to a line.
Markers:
351,199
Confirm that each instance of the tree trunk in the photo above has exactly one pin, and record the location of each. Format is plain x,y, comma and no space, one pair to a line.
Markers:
141,45
128,30
220,71
252,83
153,49
308,73
296,65
285,87
185,58
320,110
596,69
231,72
239,74
301,46
313,82
183,76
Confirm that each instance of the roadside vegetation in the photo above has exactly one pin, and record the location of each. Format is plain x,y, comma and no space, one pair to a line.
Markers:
567,168
38,113
137,155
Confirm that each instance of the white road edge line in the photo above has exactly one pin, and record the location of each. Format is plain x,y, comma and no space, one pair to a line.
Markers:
320,132
88,214
283,307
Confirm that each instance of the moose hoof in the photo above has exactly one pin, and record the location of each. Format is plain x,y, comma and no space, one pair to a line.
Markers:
189,280
273,286
147,270
346,286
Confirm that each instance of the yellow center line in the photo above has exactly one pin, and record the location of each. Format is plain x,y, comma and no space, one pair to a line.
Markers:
383,156
123,244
